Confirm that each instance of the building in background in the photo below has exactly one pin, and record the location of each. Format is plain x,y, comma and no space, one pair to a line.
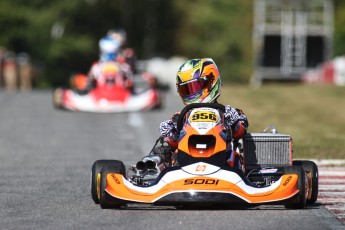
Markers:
290,37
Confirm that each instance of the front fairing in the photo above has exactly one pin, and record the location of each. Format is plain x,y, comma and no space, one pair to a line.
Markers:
202,135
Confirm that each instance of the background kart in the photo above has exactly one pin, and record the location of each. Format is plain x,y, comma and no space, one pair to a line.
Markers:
108,97
197,175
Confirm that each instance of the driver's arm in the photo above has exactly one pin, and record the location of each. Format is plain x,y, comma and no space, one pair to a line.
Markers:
168,130
237,121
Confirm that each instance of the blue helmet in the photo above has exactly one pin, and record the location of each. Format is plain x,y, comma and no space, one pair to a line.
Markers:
108,48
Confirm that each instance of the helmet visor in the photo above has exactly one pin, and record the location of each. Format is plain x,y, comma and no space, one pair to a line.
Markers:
193,86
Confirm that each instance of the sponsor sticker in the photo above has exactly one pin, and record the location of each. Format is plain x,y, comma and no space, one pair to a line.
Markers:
287,181
204,115
201,146
268,170
115,179
200,168
201,181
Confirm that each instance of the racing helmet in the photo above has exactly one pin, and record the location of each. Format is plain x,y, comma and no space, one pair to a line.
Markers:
108,48
198,81
110,72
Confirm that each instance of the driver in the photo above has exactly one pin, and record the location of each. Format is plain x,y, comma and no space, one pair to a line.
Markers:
100,70
110,46
198,81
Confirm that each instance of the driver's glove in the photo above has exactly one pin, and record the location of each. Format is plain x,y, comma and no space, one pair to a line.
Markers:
168,129
231,115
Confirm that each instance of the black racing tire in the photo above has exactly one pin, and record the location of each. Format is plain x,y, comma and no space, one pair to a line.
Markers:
311,167
96,177
299,201
119,168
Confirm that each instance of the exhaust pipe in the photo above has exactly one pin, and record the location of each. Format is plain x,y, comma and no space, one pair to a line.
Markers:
141,165
150,162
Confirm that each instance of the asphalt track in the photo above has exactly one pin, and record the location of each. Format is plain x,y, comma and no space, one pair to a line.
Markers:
45,161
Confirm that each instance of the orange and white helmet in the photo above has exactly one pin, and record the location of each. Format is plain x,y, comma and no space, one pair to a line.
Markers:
198,81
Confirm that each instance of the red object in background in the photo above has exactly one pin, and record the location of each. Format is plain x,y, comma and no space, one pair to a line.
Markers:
328,73
80,81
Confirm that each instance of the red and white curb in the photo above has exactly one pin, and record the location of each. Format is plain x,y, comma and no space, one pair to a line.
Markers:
332,186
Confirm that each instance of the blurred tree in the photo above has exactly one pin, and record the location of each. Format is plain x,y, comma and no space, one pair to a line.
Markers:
62,35
45,31
151,25
339,22
219,29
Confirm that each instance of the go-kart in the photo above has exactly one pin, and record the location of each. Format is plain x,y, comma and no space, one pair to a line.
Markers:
197,172
108,94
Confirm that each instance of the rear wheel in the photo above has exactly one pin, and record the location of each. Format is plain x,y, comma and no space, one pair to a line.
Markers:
299,201
118,168
312,172
96,177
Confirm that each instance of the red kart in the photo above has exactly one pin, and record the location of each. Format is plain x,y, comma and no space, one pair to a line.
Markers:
110,92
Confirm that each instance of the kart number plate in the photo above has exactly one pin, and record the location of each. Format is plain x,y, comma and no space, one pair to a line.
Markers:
204,116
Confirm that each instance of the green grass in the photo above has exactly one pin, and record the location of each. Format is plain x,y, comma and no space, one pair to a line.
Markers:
313,115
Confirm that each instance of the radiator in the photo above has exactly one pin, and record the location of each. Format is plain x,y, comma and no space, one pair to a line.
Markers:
267,149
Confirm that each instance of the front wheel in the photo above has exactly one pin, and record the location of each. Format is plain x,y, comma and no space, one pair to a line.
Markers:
312,172
299,201
117,168
95,182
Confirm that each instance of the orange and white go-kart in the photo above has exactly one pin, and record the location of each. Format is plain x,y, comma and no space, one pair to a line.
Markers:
197,172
